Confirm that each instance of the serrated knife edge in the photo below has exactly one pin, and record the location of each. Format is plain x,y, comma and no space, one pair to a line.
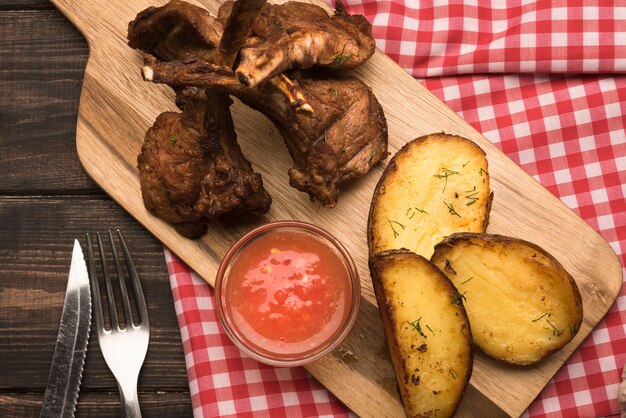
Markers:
70,350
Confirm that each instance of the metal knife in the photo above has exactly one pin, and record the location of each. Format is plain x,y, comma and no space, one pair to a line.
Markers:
70,351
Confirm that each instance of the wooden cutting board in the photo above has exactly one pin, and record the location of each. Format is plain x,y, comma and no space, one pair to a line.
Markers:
117,108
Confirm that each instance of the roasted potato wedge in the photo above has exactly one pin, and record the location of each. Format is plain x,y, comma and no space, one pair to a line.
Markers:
434,186
520,301
427,332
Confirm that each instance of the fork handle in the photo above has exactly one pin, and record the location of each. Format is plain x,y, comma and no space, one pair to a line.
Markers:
130,401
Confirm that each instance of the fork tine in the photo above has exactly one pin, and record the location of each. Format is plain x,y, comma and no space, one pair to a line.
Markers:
134,278
122,283
124,350
114,321
93,278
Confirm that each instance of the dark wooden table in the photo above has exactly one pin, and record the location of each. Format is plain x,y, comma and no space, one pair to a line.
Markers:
47,200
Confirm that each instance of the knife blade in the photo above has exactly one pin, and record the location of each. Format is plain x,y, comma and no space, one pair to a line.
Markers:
71,347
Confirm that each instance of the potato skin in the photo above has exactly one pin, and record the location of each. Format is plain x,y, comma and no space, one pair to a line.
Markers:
437,225
393,307
524,313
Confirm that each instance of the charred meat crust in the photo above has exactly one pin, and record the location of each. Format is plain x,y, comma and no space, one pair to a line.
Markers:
176,31
344,137
300,35
344,140
191,168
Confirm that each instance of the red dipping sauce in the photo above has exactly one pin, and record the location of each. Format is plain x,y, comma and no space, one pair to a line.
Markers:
287,293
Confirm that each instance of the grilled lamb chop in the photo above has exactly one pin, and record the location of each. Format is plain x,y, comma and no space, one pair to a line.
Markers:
282,37
347,134
180,31
191,168
176,31
237,26
345,137
300,35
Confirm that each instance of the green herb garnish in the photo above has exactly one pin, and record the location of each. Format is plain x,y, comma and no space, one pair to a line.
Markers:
471,196
410,212
467,280
548,314
481,172
395,233
555,331
451,209
417,327
173,138
341,58
458,298
444,173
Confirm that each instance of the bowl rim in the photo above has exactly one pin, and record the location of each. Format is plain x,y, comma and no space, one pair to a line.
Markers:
342,331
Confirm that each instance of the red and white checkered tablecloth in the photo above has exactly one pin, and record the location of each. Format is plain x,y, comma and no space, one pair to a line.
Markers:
545,81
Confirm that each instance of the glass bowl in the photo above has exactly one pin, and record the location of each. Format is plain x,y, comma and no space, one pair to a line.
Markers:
295,338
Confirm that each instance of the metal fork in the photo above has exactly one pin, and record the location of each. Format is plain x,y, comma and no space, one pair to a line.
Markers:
124,349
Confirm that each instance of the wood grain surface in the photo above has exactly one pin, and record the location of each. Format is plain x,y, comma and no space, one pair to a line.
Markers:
47,200
117,107
102,405
31,301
